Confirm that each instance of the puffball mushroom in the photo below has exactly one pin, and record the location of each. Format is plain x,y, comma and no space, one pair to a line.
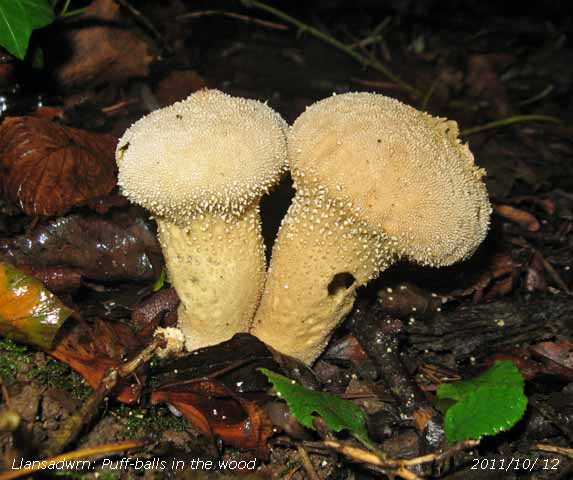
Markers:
376,181
200,166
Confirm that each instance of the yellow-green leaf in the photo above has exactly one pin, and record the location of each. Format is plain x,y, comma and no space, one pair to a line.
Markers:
28,312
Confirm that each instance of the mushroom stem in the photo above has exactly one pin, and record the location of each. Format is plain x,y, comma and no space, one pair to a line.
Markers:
217,267
317,264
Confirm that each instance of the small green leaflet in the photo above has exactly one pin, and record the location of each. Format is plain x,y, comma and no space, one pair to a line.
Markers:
337,413
17,20
486,405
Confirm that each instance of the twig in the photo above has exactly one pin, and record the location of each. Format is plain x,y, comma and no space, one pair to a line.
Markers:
236,16
397,466
429,93
364,456
509,121
72,427
568,452
145,21
112,109
305,28
307,464
106,449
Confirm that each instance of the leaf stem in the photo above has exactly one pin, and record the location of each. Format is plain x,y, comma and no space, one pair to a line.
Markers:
349,50
509,121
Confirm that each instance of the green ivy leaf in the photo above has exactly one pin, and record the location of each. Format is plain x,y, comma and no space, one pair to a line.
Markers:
486,405
337,413
17,20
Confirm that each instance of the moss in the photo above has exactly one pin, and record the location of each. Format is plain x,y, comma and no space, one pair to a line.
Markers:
16,358
57,374
73,475
150,421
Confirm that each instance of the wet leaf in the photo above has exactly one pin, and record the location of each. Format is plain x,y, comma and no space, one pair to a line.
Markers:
235,363
48,168
217,411
337,413
91,349
486,405
216,387
28,312
119,247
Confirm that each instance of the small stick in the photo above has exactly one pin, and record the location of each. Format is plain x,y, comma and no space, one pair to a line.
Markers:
568,452
78,454
145,21
307,464
398,466
236,16
72,427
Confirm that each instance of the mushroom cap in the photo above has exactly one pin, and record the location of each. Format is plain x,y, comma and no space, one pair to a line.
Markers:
210,153
399,171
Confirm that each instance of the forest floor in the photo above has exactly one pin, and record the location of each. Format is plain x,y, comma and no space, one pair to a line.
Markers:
505,80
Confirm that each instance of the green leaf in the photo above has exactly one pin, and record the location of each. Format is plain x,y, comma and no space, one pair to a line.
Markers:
337,413
28,312
486,405
17,20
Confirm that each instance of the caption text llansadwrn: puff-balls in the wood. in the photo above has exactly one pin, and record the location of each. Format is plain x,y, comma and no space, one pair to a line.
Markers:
135,463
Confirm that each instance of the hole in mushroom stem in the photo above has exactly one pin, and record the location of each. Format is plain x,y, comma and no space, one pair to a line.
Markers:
340,281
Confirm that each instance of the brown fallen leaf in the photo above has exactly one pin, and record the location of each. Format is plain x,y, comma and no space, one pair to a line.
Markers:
121,246
91,349
217,411
178,85
160,308
103,49
55,279
516,215
46,168
216,389
560,353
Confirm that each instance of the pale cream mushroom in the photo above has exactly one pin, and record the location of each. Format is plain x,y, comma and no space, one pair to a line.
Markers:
200,167
376,181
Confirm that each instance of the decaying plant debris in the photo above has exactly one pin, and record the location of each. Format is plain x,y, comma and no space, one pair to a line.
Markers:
98,388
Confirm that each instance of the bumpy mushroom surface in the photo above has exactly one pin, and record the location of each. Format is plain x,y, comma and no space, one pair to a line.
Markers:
376,181
200,167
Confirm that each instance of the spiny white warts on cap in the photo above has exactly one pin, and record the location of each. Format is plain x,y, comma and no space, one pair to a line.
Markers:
210,153
376,181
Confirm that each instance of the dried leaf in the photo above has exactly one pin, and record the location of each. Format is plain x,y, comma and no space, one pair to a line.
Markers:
28,312
48,168
103,50
90,349
560,353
